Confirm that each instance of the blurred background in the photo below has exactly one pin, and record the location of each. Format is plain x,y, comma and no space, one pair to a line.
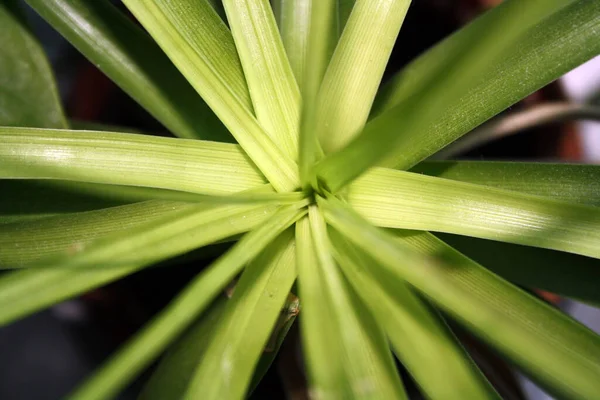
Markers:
44,356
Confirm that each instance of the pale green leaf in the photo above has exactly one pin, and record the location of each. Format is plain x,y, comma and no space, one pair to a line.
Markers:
565,274
295,24
126,159
28,93
574,183
143,348
419,337
189,228
319,24
398,199
293,18
29,240
403,136
270,79
227,365
554,349
128,56
322,349
200,45
365,368
170,379
356,68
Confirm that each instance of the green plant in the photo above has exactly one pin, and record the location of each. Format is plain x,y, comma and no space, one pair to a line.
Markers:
309,188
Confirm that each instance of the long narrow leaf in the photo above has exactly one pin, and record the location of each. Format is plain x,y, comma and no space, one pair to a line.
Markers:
574,183
356,68
556,272
553,348
172,235
550,48
126,54
170,379
126,159
319,37
29,240
28,93
412,77
569,34
322,350
398,199
270,78
165,327
247,322
419,337
368,371
200,45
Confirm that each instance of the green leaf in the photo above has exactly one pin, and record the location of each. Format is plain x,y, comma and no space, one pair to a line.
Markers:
411,78
347,352
187,229
295,24
171,377
247,323
200,45
569,35
355,71
556,350
398,199
285,321
318,27
561,273
143,348
24,242
270,79
32,199
322,350
128,56
126,159
28,93
418,335
559,39
573,183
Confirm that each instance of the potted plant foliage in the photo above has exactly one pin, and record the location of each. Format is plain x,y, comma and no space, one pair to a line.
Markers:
288,148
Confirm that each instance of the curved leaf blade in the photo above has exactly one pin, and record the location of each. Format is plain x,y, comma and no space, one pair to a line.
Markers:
419,337
364,368
553,348
247,322
570,34
126,159
398,199
565,274
273,89
200,45
128,56
180,313
28,92
355,70
573,183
